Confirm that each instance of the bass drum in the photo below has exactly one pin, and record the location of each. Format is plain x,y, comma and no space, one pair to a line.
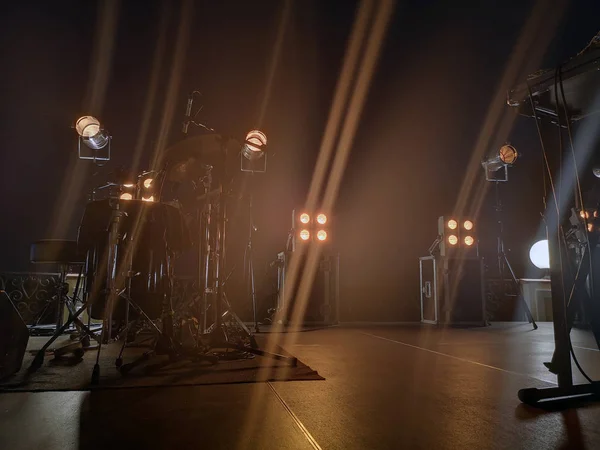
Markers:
149,235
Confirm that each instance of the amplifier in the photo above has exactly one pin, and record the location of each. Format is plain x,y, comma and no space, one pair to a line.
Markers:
452,291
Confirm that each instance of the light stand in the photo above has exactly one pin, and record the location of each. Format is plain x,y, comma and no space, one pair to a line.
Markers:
217,334
253,158
504,263
249,258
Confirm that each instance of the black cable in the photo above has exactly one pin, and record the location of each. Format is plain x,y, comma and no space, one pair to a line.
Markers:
559,228
558,77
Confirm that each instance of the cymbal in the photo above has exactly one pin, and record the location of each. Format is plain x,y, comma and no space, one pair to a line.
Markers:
187,159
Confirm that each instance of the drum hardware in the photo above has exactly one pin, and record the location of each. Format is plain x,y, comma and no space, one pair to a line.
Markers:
218,334
63,253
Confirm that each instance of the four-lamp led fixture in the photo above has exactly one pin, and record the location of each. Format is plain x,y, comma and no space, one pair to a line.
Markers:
496,166
456,233
253,157
310,227
93,136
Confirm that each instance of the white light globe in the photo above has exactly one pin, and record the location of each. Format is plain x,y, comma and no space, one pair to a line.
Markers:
540,255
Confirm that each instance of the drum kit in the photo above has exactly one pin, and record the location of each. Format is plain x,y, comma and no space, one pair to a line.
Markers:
132,233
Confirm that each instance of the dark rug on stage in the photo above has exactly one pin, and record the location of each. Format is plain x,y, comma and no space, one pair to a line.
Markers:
70,374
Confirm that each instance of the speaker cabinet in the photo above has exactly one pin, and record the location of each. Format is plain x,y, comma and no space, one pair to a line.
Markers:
14,336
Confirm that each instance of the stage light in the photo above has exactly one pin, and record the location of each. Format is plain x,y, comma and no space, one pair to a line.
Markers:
322,235
254,147
305,235
596,172
452,240
91,133
129,185
469,240
468,225
148,199
540,255
148,183
322,219
452,224
506,156
590,227
126,196
304,218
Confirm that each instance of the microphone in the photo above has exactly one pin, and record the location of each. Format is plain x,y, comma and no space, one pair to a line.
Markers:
188,113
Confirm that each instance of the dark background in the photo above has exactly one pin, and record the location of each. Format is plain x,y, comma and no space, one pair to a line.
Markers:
439,69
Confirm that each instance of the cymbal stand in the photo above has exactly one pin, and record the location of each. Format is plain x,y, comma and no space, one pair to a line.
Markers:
204,238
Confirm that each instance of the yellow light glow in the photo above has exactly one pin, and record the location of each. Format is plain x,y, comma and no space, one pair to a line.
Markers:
322,219
126,197
149,199
508,154
468,225
305,235
129,185
148,183
87,126
452,240
469,240
590,227
596,213
254,147
584,214
322,235
452,224
304,218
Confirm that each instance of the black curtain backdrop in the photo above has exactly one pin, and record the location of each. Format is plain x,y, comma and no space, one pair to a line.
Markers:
439,69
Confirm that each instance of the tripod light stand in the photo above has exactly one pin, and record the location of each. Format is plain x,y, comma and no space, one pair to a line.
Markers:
496,171
253,158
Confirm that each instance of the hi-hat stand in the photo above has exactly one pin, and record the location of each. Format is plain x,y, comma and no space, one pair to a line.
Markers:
504,263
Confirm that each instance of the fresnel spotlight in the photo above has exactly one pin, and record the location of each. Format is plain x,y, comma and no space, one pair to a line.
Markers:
506,156
94,137
253,157
310,227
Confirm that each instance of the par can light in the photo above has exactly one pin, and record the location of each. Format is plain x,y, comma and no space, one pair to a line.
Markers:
452,240
322,235
148,183
468,225
254,147
304,218
322,219
452,224
469,240
89,130
305,235
126,196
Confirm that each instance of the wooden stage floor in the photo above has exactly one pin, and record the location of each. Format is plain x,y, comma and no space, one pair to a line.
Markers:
385,388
